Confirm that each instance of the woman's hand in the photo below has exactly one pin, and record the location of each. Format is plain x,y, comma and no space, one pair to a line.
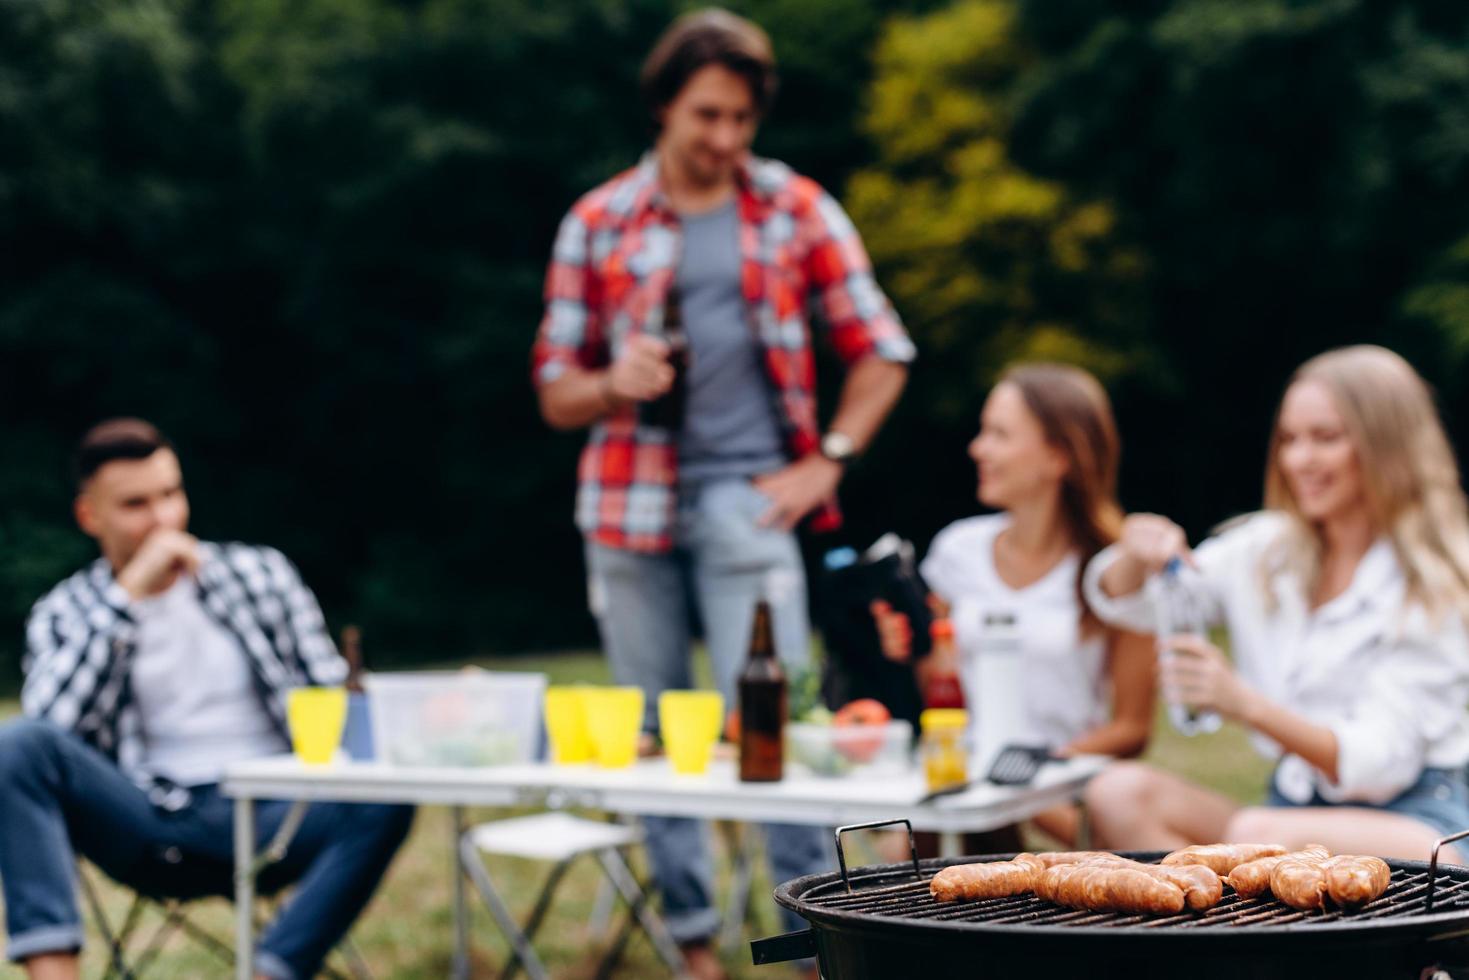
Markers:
1194,672
894,632
1147,543
1151,541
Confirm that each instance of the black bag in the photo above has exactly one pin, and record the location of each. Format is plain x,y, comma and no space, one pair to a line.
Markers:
856,667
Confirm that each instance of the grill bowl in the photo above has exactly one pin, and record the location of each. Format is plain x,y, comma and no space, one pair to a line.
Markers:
888,925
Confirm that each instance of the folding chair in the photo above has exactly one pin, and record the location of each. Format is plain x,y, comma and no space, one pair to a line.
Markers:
174,918
562,838
741,912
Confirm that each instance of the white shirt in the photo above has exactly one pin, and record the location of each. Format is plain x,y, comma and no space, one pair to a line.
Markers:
1389,684
1062,681
195,692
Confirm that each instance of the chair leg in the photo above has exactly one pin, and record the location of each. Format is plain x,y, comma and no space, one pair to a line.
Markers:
224,952
117,963
619,942
627,885
739,905
602,906
601,916
172,916
538,913
356,965
469,861
175,920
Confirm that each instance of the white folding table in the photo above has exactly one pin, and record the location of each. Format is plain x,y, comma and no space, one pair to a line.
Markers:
649,787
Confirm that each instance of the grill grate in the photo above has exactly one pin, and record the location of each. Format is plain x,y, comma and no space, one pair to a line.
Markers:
910,900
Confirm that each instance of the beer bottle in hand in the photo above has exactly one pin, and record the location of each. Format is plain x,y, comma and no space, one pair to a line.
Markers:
667,410
762,705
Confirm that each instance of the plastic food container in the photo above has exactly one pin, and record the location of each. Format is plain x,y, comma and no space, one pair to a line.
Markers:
849,750
456,718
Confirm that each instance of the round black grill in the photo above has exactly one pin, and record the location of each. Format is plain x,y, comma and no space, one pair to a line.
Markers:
891,894
888,923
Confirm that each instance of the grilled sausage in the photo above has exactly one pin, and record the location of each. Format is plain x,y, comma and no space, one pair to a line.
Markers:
1252,879
1201,887
1300,882
1222,858
1052,858
1103,887
993,879
1353,880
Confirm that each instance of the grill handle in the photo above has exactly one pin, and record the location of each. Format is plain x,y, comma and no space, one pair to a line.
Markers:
1432,866
784,948
912,847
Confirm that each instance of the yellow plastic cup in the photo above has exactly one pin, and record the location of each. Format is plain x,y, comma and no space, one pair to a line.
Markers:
316,716
614,719
566,725
690,721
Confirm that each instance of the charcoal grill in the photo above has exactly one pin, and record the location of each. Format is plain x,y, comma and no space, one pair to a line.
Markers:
880,922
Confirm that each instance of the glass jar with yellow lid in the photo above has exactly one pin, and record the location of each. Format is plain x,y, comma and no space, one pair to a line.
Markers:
945,747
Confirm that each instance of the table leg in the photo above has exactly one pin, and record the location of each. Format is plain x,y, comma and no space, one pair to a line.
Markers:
950,844
244,888
461,908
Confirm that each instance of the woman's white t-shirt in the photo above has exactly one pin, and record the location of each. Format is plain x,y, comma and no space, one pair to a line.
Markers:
1060,688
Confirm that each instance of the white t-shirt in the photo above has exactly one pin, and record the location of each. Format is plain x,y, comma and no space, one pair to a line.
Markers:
1063,689
1390,684
195,692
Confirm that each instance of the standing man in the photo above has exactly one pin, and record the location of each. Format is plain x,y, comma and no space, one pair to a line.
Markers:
691,520
147,673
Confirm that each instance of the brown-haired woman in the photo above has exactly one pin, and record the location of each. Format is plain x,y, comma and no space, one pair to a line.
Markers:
1047,454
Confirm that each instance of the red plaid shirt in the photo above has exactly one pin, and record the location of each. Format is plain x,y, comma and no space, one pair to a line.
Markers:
615,257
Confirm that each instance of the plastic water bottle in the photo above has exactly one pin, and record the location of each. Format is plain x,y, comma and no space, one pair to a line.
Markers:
1180,614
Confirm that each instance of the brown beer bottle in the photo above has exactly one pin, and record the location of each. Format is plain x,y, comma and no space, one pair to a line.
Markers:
762,705
352,653
667,410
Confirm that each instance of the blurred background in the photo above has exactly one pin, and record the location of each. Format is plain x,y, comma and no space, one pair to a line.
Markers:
307,239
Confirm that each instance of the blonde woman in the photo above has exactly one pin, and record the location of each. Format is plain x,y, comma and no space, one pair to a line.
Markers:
1046,458
1345,601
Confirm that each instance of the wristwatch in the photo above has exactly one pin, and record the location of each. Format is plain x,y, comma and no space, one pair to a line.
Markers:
838,447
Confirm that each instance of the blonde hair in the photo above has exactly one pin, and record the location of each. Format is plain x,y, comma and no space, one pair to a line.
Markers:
1409,477
1076,417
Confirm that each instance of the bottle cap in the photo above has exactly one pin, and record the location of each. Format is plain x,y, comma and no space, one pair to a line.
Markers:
934,719
839,558
942,628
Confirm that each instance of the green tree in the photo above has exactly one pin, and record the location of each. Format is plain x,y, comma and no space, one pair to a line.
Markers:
988,262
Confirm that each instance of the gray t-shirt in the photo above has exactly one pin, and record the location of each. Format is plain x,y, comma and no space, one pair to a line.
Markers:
730,427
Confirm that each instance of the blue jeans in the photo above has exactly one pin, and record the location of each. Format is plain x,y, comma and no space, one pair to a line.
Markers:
1438,798
62,798
645,606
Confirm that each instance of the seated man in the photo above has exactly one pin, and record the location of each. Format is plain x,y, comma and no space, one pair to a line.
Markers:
147,674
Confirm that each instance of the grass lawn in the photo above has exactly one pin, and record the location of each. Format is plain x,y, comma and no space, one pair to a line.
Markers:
408,930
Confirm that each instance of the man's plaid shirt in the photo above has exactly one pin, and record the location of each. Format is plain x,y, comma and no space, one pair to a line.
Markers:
81,637
615,257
